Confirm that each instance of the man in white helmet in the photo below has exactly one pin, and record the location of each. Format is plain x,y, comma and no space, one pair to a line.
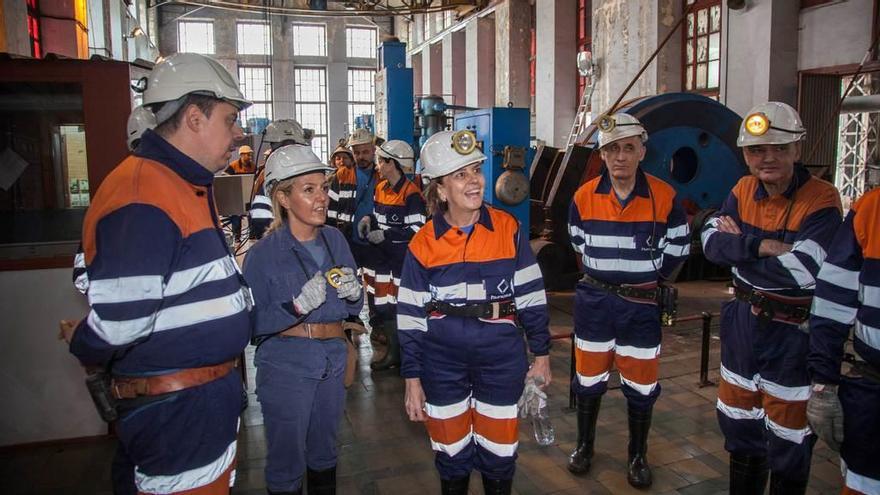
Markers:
170,312
632,233
774,230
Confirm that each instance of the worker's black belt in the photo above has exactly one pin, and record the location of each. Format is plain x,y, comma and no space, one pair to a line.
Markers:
770,309
623,290
488,310
863,368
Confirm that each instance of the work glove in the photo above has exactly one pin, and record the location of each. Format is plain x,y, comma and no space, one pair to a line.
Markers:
363,227
529,403
825,414
313,294
349,285
376,236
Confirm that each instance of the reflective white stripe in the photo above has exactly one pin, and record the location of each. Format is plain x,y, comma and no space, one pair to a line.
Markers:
383,300
495,412
797,270
259,199
187,480
708,232
741,382
833,311
638,387
415,218
120,332
609,241
184,280
406,295
259,213
589,381
415,228
407,322
79,261
588,346
796,436
452,448
783,392
812,249
526,275
681,231
333,195
201,311
82,282
868,334
347,193
331,214
369,272
638,352
380,218
858,482
675,250
841,277
869,295
619,265
383,278
125,289
448,411
530,300
499,449
470,292
737,413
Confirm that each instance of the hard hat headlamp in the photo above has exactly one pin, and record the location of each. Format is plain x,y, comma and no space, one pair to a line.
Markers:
464,142
757,124
606,123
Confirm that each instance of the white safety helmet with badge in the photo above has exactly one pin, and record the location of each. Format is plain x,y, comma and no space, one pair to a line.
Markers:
447,151
619,126
771,123
399,151
291,161
361,136
285,130
139,121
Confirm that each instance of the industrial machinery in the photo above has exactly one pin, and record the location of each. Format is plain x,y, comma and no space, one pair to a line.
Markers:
691,145
394,94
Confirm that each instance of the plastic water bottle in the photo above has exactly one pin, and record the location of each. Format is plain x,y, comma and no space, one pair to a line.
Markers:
544,432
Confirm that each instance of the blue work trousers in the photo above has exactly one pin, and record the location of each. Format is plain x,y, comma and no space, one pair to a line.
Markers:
300,387
860,451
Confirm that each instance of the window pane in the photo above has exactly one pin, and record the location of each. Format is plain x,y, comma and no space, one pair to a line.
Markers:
701,76
714,46
715,17
358,109
714,73
690,53
702,49
195,37
254,39
360,42
689,73
310,85
702,21
256,83
319,146
361,85
690,26
312,116
309,40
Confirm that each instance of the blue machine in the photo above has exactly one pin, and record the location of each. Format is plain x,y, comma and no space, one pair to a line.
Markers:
394,94
503,134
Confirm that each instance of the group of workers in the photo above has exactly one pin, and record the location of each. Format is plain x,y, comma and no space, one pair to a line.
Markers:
454,286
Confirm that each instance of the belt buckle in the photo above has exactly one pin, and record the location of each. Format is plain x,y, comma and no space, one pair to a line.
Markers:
496,310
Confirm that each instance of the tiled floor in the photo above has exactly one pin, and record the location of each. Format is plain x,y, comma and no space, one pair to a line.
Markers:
383,453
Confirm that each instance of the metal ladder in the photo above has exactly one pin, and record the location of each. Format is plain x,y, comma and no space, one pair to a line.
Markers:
580,118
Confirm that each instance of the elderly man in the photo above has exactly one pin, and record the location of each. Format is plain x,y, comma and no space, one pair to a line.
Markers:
773,230
632,233
170,312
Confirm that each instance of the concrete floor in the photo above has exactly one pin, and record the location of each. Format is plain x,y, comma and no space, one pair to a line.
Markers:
381,452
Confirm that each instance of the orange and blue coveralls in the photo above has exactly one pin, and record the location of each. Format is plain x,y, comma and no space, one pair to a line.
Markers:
632,242
471,369
762,397
847,296
399,211
165,294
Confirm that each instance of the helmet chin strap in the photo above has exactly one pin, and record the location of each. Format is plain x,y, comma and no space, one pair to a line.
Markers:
168,109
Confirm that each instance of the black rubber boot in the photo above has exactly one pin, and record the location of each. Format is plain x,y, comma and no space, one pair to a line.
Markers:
780,485
496,487
748,474
321,482
392,357
456,486
587,413
639,472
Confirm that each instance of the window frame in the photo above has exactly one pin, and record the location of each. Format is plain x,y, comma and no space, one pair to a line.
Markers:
348,40
268,37
270,91
294,38
693,43
323,106
207,22
351,102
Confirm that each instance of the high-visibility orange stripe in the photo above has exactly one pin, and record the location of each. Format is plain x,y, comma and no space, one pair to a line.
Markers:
496,430
790,414
850,491
384,288
865,224
220,486
770,214
449,431
641,371
483,244
385,195
738,397
593,363
592,206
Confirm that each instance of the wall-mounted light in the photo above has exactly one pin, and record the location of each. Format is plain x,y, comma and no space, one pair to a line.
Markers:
137,31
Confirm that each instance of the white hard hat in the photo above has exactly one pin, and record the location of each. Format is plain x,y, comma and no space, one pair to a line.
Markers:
185,73
285,130
771,123
447,151
619,126
290,161
139,121
400,151
361,136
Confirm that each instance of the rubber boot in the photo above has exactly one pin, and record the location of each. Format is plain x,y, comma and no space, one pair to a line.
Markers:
496,487
587,414
748,474
321,482
456,486
639,472
780,485
392,357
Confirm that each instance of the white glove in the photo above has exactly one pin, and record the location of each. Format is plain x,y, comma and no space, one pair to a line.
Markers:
313,294
376,236
825,415
363,227
529,402
349,285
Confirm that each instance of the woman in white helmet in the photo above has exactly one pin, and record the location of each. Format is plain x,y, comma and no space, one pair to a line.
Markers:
468,279
302,275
